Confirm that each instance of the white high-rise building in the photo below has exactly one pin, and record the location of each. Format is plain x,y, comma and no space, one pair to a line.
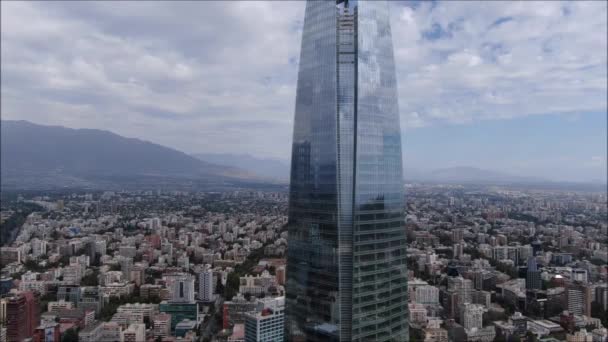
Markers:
126,266
155,223
39,247
575,301
267,325
205,285
463,288
471,316
427,295
182,289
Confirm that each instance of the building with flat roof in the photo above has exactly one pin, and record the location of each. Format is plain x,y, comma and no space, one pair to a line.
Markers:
268,324
179,311
185,326
162,325
134,333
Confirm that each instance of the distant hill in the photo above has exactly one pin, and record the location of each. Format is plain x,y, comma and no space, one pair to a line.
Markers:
465,174
267,167
475,176
60,156
48,157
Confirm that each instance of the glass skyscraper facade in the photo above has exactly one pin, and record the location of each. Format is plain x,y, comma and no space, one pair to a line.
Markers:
346,271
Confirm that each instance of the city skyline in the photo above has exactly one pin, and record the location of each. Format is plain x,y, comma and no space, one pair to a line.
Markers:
311,170
504,86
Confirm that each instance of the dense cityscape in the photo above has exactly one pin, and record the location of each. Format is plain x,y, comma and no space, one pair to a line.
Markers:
484,264
304,171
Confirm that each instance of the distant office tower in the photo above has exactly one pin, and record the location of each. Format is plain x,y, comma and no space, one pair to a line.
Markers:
205,285
533,280
22,316
537,247
16,314
579,298
346,271
182,289
91,251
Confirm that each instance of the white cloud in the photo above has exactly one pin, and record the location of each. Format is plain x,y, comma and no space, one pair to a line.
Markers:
498,60
207,76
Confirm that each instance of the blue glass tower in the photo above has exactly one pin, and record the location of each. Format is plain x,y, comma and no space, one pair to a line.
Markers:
346,272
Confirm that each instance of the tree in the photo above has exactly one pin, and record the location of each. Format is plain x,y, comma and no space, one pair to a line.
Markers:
232,285
70,335
493,316
598,311
531,337
272,270
90,279
219,287
416,335
32,265
474,253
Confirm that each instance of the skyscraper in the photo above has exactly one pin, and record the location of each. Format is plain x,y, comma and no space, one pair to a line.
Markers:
346,272
533,280
22,315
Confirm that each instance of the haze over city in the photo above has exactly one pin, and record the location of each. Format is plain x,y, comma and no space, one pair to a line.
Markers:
500,86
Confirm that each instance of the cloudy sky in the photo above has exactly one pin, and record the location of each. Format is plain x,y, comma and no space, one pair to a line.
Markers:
512,86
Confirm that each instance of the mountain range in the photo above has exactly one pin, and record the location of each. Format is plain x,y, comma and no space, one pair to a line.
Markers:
42,157
268,167
53,156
